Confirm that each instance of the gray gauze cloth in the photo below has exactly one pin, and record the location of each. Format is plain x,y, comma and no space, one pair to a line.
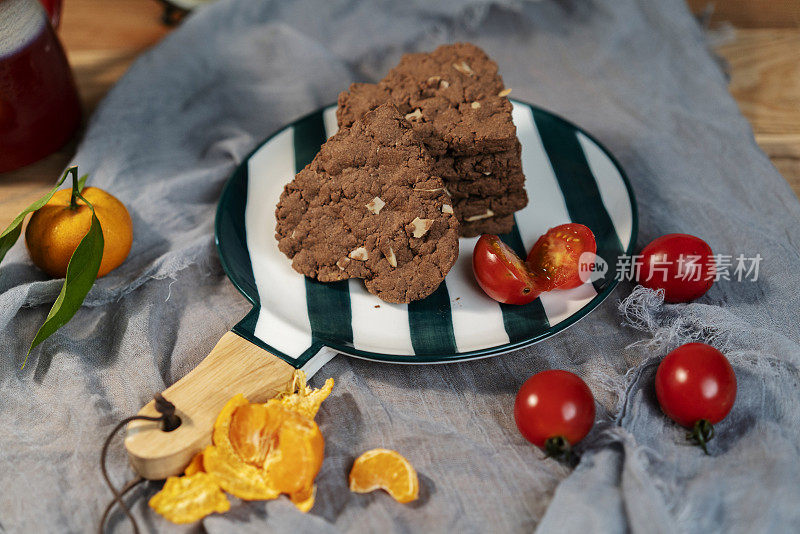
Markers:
635,73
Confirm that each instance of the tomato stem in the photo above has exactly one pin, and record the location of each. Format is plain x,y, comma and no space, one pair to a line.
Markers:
559,448
701,434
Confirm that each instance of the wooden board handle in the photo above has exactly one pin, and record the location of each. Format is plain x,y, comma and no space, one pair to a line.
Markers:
234,366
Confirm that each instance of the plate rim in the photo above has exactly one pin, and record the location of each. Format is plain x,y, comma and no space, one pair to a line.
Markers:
415,359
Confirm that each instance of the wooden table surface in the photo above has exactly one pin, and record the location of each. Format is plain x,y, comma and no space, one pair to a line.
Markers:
103,37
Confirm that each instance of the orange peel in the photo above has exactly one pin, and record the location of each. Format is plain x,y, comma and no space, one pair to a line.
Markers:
259,452
189,498
385,469
304,500
195,466
303,399
241,480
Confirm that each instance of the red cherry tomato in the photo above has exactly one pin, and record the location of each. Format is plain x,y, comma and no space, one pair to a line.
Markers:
695,381
501,273
680,264
696,388
554,410
556,256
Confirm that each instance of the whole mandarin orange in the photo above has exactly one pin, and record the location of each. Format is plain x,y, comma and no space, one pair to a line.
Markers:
55,230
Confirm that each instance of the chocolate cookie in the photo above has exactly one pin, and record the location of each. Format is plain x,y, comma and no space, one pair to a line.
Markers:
478,167
489,186
489,225
368,206
453,96
358,100
472,209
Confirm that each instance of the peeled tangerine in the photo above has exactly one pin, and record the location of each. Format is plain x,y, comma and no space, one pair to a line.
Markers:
387,470
259,452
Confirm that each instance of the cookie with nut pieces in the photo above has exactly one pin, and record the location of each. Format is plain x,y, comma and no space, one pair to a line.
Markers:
453,96
368,206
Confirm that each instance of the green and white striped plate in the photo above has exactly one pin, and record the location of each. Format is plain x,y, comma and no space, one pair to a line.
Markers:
569,177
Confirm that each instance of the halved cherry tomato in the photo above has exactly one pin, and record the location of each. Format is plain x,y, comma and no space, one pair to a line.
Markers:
554,410
501,273
680,264
556,256
696,388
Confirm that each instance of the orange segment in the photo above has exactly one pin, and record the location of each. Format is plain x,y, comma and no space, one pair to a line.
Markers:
297,458
253,432
189,498
387,470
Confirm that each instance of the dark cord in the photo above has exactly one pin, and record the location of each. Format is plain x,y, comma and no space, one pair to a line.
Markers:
171,422
129,486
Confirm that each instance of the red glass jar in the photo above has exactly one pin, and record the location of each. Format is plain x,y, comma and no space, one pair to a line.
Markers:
39,106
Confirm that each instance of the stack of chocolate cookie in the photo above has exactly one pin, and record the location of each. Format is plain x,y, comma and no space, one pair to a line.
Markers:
457,105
